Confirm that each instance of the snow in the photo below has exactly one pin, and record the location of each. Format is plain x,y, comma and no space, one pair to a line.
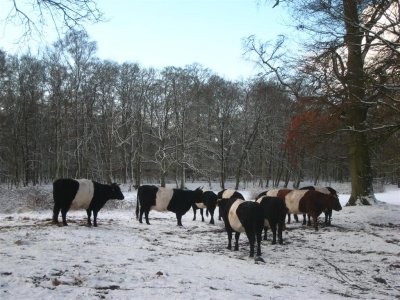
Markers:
358,257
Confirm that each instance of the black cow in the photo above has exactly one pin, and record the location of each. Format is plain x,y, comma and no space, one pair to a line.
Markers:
325,190
228,194
82,193
275,212
209,202
164,199
242,216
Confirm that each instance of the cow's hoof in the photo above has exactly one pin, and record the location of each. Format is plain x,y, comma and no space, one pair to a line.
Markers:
258,258
273,243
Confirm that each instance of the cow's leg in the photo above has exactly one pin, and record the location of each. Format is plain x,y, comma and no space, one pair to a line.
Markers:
179,219
273,228
89,215
146,215
201,213
265,232
315,220
95,218
237,234
64,216
56,211
251,237
304,219
258,237
328,216
141,211
229,232
296,217
212,217
194,213
309,220
288,218
211,214
280,229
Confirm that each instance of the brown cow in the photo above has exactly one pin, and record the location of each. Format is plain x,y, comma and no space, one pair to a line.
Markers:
311,202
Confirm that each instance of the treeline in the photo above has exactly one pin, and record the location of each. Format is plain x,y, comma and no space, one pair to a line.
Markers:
66,113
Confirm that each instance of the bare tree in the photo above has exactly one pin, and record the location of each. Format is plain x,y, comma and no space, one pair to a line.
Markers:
337,76
33,15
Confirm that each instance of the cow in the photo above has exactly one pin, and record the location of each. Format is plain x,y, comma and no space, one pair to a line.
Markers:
242,216
151,197
311,202
228,194
209,202
326,190
71,193
275,211
280,193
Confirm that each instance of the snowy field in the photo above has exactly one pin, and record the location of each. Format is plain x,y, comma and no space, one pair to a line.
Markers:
358,257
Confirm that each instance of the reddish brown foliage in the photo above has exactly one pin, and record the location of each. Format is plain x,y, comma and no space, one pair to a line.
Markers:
307,130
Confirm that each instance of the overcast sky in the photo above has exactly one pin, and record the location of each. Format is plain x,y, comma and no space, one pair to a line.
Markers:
159,33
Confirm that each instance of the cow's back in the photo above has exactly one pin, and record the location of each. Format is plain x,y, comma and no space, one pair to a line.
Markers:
292,200
182,201
84,194
163,198
233,218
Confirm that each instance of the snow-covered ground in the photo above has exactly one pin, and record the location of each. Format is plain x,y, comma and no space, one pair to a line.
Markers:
357,257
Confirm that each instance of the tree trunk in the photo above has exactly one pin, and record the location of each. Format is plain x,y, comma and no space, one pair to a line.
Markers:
360,164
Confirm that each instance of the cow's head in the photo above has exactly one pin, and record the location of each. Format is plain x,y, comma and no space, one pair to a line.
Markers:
198,194
335,204
116,192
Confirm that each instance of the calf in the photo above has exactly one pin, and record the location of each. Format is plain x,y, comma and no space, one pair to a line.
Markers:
311,202
209,202
150,197
82,193
326,190
228,194
242,216
275,211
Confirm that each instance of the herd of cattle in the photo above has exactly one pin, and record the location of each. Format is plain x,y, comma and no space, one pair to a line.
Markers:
267,211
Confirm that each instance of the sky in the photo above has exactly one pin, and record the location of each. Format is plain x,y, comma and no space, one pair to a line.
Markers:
160,33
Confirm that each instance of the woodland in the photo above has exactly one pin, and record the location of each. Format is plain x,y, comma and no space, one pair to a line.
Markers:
330,113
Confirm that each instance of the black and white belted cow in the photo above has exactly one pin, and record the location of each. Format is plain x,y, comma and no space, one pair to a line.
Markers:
275,211
228,194
82,194
208,202
151,197
242,216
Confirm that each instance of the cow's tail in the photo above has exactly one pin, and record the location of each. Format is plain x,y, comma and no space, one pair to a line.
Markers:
137,206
